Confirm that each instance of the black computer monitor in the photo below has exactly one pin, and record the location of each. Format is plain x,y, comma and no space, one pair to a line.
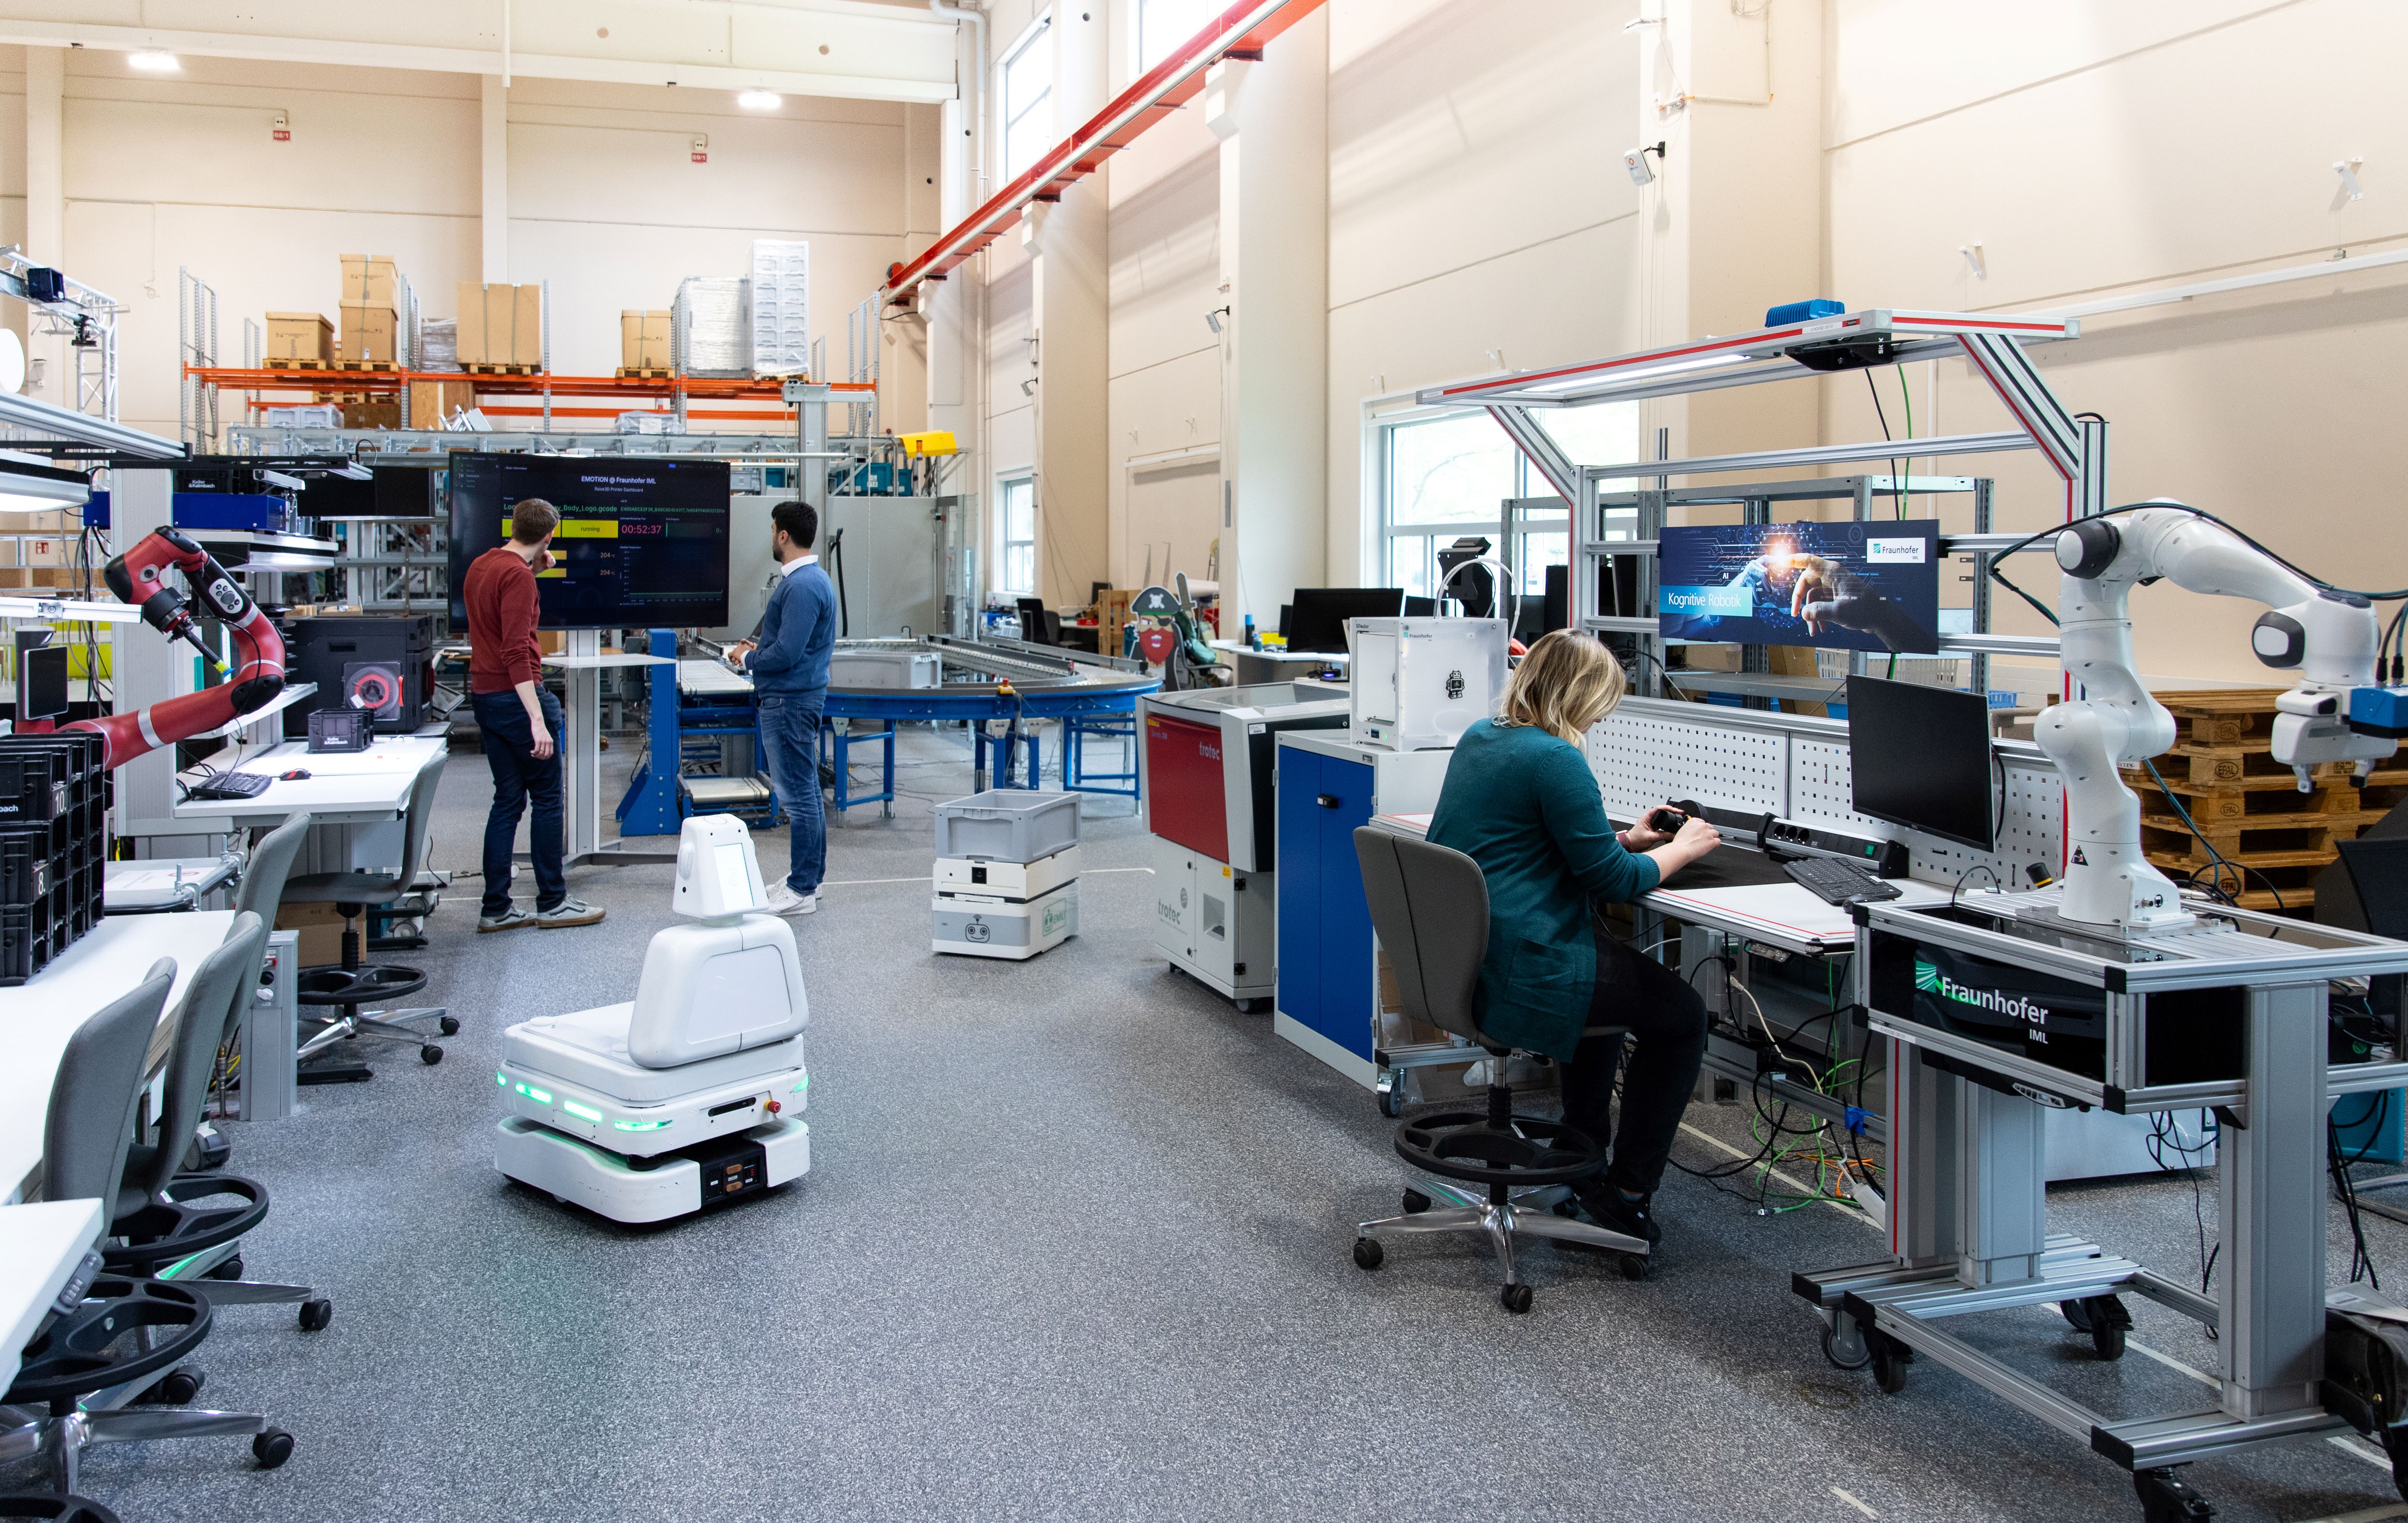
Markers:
2378,873
642,542
1318,624
1920,757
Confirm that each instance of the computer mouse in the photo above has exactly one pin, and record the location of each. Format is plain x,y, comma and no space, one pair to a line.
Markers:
295,776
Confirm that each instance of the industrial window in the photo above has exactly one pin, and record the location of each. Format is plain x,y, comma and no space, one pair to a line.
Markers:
1028,98
1446,475
1017,498
1162,25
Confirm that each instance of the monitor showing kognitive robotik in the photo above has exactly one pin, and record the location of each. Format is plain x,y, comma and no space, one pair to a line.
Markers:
642,543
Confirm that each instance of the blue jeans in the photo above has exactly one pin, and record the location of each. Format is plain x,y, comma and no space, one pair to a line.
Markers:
518,776
790,746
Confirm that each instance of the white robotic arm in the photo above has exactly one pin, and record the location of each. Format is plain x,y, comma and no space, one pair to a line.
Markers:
2329,636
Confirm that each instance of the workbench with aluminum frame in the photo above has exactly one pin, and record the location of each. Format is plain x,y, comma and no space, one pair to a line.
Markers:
2239,994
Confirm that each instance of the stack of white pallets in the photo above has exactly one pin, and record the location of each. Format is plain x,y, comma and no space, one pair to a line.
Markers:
782,295
1006,876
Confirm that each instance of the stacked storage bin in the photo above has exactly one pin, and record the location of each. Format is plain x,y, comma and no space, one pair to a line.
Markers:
1007,874
53,813
781,294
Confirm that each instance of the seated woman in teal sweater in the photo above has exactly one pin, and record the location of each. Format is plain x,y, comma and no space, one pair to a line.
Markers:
1520,800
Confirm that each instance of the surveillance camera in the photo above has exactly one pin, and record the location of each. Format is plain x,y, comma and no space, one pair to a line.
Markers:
1028,388
1642,174
1212,319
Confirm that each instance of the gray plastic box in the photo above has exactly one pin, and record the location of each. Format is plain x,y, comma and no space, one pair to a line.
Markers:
1007,825
883,669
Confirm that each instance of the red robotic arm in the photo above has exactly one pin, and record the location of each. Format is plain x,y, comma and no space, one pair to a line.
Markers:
139,577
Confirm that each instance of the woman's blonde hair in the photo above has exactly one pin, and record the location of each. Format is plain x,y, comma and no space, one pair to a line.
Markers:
1567,683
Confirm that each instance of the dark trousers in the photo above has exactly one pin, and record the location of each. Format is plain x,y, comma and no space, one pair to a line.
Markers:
1667,1021
790,746
519,777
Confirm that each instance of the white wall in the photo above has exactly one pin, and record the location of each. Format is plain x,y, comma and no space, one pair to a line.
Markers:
604,199
2096,149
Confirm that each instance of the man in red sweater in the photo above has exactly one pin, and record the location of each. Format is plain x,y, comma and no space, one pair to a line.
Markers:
517,720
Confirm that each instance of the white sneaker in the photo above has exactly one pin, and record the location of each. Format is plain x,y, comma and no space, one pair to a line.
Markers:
784,900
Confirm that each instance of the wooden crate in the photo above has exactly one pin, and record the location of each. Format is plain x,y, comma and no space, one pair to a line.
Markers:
2245,804
330,365
645,373
481,367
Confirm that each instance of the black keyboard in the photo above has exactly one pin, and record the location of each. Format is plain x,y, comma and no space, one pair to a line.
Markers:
230,785
1836,882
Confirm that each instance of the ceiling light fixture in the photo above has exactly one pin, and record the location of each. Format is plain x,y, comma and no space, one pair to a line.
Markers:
760,100
154,63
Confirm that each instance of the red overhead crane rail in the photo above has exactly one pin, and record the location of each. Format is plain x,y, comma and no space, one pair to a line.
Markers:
1242,30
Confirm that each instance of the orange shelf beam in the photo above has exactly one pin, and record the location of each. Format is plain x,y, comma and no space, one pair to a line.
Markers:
714,388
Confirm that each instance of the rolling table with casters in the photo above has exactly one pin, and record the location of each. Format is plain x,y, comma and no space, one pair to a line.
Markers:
343,787
38,1016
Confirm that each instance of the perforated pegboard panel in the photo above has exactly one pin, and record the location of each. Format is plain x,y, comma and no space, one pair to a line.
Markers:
2032,828
1639,762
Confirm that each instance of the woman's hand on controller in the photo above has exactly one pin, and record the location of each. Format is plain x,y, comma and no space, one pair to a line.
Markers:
1696,837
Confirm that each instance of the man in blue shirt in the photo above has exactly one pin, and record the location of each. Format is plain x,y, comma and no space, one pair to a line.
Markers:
789,667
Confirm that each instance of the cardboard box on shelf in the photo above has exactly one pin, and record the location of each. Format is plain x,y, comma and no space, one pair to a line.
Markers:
431,400
369,333
643,340
371,414
551,642
320,928
299,335
371,280
500,325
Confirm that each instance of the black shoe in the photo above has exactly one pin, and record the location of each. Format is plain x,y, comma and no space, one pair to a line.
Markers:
1617,1213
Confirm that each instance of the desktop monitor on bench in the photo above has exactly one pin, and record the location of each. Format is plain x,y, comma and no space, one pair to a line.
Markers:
1317,625
42,690
1920,757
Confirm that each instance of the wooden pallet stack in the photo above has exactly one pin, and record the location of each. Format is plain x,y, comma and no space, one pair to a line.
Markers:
2249,808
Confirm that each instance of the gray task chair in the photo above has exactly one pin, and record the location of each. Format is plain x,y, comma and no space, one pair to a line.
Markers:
124,1330
352,985
184,1225
265,871
1429,907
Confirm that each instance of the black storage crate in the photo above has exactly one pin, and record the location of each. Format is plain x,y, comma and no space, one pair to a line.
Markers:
52,846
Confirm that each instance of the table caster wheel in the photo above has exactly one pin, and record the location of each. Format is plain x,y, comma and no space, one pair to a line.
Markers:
1515,1299
230,1270
2164,1498
1566,1208
1367,1253
272,1448
449,1025
1416,1203
1391,1095
316,1312
430,1055
1847,1352
1889,1358
2106,1320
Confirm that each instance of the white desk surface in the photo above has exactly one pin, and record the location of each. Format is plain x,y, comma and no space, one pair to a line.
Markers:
45,1240
158,882
38,1017
710,677
594,663
340,783
1317,658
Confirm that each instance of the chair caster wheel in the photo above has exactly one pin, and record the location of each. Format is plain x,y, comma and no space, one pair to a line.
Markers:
430,1055
176,1388
1416,1203
1566,1208
1367,1253
449,1025
316,1314
1514,1298
230,1270
272,1448
1637,1266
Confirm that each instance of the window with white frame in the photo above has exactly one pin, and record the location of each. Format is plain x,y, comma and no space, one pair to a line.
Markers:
1028,98
1162,25
1016,540
1444,476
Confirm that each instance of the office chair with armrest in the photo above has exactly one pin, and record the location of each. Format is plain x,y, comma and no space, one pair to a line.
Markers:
351,983
184,1225
265,871
83,1362
1429,907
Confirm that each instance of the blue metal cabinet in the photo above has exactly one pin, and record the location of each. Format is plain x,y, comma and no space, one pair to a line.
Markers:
1328,963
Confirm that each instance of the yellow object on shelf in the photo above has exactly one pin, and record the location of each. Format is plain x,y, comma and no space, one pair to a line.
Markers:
918,445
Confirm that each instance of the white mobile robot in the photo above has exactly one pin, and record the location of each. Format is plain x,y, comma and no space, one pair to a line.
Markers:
690,1095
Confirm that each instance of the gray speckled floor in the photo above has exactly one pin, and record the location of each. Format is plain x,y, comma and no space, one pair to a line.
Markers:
1074,1245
